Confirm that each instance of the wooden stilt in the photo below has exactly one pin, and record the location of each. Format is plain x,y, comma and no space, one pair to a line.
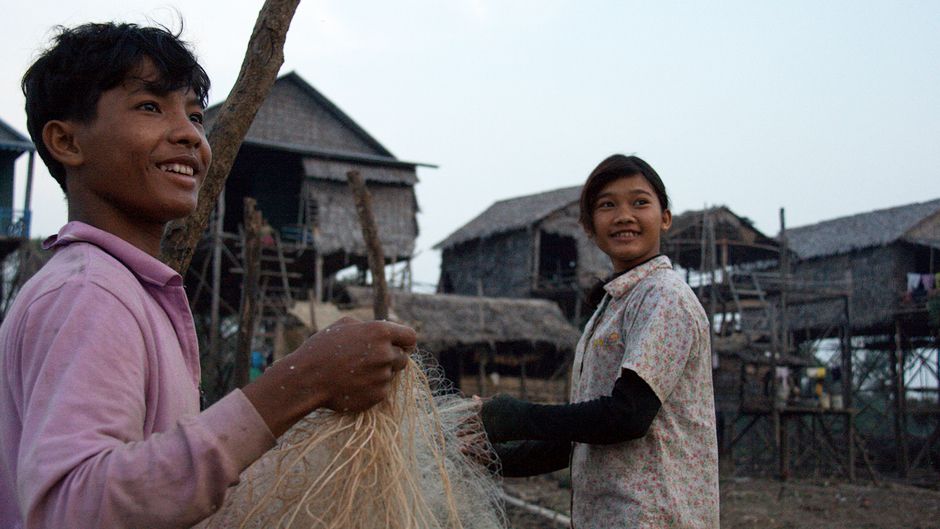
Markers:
897,376
318,278
251,249
313,300
213,365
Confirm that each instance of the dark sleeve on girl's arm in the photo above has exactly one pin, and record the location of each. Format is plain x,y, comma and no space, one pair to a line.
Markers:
626,414
531,458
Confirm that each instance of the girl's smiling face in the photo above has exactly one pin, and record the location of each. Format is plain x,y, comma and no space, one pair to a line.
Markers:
628,221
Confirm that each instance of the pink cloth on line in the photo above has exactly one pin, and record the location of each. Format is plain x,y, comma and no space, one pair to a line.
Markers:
927,281
99,399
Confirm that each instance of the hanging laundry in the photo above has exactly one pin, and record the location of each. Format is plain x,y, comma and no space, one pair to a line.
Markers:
928,281
913,281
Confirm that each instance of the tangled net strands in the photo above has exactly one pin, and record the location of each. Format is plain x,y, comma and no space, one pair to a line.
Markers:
398,465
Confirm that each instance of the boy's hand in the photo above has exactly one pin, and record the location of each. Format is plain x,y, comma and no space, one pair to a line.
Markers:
346,367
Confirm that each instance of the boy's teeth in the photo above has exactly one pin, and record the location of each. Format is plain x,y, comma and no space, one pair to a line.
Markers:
177,168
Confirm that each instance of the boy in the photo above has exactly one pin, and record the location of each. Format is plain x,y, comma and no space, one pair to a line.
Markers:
100,366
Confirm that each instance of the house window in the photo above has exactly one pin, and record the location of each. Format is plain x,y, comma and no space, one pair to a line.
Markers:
558,261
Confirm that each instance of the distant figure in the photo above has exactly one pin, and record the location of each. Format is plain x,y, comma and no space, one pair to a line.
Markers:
257,365
640,432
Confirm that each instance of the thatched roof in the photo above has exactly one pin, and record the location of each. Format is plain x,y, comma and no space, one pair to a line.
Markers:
445,320
11,140
864,230
512,214
746,243
295,117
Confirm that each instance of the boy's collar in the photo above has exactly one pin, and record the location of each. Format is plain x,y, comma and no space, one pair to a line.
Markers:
142,264
622,283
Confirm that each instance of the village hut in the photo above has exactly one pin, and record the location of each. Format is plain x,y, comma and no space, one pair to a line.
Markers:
891,255
294,162
525,247
476,337
14,223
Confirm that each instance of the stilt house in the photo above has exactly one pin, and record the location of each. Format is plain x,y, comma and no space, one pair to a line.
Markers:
889,258
524,247
892,257
294,161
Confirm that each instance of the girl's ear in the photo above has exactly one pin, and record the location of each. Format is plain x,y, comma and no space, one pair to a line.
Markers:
667,220
59,137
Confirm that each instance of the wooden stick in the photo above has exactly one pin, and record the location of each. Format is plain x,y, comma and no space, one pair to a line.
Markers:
263,59
370,234
548,514
246,326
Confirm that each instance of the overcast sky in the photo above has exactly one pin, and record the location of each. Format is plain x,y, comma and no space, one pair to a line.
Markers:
823,108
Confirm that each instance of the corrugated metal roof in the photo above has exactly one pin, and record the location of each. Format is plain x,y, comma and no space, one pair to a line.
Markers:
856,232
512,214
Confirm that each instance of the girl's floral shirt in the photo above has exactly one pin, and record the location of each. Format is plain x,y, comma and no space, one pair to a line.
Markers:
651,323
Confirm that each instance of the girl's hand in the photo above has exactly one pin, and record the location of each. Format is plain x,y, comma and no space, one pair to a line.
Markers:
472,437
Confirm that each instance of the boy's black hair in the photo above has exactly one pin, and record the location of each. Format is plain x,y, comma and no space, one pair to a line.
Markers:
614,167
67,79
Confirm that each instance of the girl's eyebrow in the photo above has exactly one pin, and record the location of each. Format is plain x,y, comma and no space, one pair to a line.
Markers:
634,191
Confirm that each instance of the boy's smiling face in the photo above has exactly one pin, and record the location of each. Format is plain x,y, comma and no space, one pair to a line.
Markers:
628,221
140,162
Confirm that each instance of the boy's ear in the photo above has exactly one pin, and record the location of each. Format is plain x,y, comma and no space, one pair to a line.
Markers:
60,139
667,220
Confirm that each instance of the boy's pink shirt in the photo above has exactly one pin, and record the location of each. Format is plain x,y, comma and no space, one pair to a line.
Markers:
99,398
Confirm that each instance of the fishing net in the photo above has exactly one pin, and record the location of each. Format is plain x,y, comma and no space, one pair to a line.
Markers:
398,465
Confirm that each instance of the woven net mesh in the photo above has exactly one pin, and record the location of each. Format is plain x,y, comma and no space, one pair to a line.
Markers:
399,465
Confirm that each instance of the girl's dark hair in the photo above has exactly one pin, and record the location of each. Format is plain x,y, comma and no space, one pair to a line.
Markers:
67,79
612,168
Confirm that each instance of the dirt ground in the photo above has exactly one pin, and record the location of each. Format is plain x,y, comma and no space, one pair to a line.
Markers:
771,504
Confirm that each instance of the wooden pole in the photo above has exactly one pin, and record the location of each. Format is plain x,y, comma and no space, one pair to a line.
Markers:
848,378
897,375
213,366
779,347
252,271
784,285
312,297
27,199
317,278
263,59
370,234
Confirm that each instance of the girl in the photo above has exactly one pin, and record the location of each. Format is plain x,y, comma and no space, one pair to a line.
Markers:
639,433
